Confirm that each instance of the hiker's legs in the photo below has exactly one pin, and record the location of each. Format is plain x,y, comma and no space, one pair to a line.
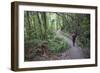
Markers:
73,41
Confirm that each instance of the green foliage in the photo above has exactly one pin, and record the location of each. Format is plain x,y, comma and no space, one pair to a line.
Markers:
32,43
57,45
85,36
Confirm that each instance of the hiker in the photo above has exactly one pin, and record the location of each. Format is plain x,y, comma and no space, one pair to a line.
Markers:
74,35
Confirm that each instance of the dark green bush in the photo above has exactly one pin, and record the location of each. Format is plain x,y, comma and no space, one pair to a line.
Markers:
57,45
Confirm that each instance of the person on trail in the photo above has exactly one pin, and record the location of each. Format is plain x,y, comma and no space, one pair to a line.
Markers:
74,35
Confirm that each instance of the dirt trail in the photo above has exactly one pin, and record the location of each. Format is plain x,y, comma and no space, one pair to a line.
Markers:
74,52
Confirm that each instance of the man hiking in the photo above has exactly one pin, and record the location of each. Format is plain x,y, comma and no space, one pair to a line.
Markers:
74,35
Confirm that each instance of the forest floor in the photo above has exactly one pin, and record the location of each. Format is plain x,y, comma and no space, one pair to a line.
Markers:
74,52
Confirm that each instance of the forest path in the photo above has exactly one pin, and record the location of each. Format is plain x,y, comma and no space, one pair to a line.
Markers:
74,52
